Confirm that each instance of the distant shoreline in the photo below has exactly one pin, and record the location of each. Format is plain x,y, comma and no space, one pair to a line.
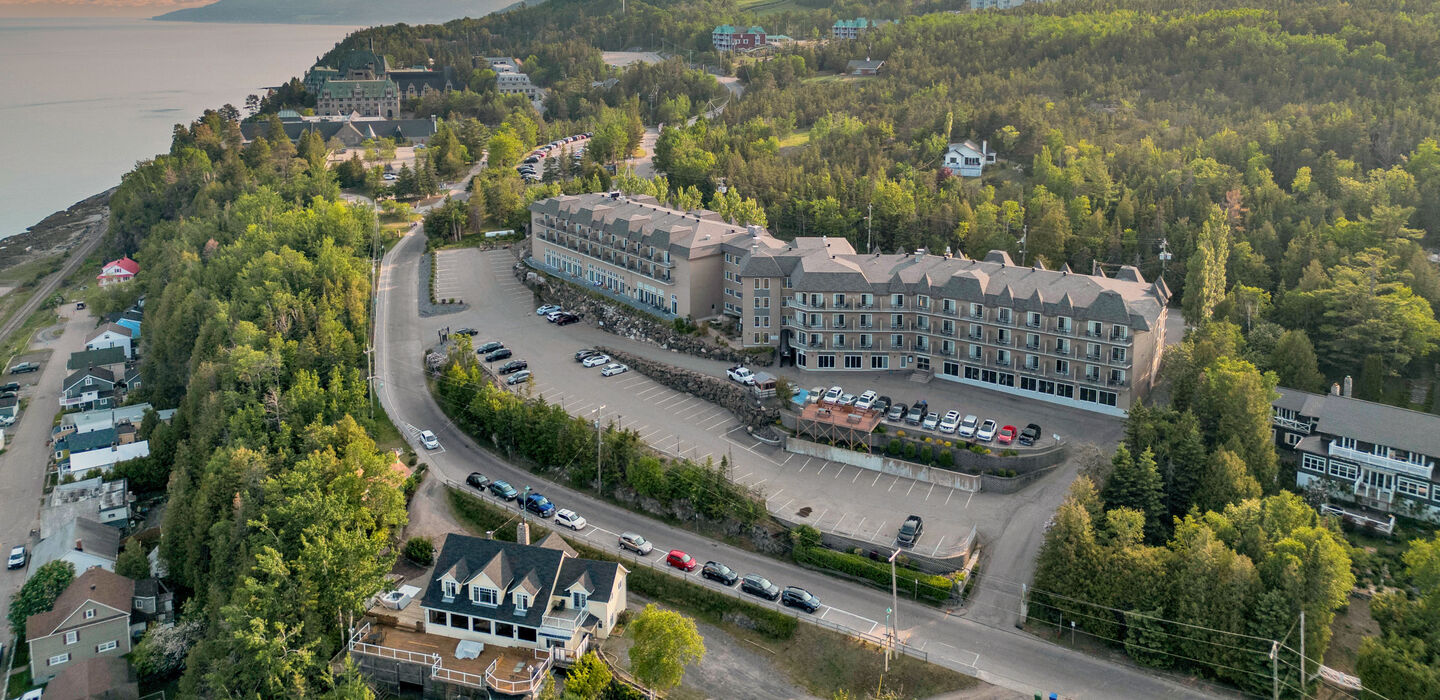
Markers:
335,12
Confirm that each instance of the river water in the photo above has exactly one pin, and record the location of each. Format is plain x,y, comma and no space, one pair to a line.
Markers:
83,99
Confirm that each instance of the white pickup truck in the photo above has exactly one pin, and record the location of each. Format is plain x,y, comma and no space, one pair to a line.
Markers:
741,374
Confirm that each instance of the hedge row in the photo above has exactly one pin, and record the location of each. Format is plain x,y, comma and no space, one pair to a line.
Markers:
487,517
920,585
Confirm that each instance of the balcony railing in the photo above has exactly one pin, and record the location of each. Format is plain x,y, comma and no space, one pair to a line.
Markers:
566,620
525,686
1000,339
1032,346
1002,363
1065,330
1092,333
1123,362
1386,463
1125,339
1291,424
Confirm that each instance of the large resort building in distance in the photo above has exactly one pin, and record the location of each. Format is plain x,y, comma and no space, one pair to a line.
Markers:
1087,341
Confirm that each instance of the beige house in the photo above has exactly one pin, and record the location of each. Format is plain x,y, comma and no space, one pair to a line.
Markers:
90,619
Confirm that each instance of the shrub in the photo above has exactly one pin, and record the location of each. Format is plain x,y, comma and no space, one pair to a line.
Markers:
910,450
945,460
925,454
1008,453
420,550
899,433
894,447
979,449
929,440
880,429
922,586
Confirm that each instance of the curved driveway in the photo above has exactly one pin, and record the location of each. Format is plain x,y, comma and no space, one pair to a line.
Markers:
997,654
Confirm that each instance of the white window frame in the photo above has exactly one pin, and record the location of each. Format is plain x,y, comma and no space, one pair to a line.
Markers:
579,599
90,613
449,588
1313,463
72,637
1411,487
58,659
1341,470
522,602
103,647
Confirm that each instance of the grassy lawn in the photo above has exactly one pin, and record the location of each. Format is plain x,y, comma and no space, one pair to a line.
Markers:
17,343
387,436
766,7
33,271
799,137
19,682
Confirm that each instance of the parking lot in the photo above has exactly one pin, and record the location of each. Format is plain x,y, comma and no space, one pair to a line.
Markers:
449,275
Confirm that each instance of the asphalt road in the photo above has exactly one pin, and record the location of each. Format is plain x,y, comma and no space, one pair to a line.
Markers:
997,654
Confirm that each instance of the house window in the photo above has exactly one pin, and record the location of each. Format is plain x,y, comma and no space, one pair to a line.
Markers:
578,599
897,301
853,362
1410,487
525,634
483,596
90,613
58,659
437,617
1345,442
449,588
1117,354
977,311
1380,450
72,636
1002,315
103,647
1343,470
522,602
480,625
1314,463
1032,319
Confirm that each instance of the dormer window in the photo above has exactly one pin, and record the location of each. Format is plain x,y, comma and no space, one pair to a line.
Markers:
449,588
522,602
480,595
578,599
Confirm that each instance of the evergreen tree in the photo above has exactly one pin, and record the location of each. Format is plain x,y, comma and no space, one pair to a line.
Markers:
1135,483
1295,364
1205,272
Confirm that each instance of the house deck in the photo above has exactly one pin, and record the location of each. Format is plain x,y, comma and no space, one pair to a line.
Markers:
506,669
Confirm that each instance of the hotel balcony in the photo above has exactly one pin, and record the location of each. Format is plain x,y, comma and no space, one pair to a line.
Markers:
1419,471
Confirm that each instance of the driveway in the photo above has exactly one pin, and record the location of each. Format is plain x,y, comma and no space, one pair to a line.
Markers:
997,654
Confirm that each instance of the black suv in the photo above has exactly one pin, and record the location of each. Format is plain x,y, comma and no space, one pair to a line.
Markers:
566,319
491,346
1030,435
755,584
715,571
797,597
500,354
477,480
503,490
12,386
910,531
580,356
468,331
513,366
917,412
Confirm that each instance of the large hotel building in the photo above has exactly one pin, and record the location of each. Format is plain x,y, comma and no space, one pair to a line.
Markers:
1088,341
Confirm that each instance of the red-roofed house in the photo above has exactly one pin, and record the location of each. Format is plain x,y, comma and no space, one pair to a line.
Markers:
116,271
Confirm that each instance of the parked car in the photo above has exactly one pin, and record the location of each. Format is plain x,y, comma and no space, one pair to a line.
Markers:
681,560
7,421
968,426
846,400
797,597
897,413
539,505
547,309
596,360
881,405
582,354
986,433
8,394
950,422
570,519
613,369
566,319
24,367
518,378
1030,435
813,396
491,346
477,480
531,159
715,571
917,413
501,354
513,366
866,401
429,440
554,316
832,395
79,305
910,531
741,374
1006,435
635,543
932,421
755,584
468,331
12,386
17,557
503,490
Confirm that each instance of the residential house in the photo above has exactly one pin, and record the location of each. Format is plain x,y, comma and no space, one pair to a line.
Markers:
1375,460
89,388
152,602
995,4
84,442
731,38
117,271
132,380
368,98
9,410
90,619
131,318
86,421
96,678
965,159
868,66
112,335
109,358
495,615
106,502
82,541
102,460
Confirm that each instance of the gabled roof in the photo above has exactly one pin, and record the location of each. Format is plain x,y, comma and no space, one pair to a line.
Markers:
111,328
596,576
556,542
90,358
340,89
1366,421
866,64
125,264
537,570
97,372
84,442
95,584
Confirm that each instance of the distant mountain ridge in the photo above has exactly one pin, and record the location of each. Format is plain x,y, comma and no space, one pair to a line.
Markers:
346,12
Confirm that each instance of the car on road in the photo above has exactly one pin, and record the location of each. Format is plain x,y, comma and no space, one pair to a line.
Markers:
797,597
566,319
1006,435
570,519
539,505
866,400
917,413
932,421
24,367
1030,435
513,366
477,480
910,531
503,490
741,374
968,426
950,422
491,346
755,584
897,413
547,309
986,433
429,440
501,354
613,369
468,331
518,378
595,360
635,543
17,557
681,560
715,571
531,159
12,386
832,395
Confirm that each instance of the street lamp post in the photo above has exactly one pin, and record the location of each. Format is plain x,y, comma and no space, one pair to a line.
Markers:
599,471
893,617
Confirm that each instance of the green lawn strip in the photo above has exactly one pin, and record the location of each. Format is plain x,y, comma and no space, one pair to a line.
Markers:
917,585
826,663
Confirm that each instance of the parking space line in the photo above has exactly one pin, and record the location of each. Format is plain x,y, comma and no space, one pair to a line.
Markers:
937,547
642,394
932,490
948,495
717,423
967,500
858,472
787,459
912,488
822,468
839,471
742,476
787,504
759,482
776,494
877,479
708,455
836,526
802,467
892,485
880,529
857,527
822,517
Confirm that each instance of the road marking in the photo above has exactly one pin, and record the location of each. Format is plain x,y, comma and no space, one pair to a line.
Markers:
892,485
858,472
803,466
642,394
787,459
882,527
857,527
636,380
826,610
742,476
787,505
718,423
822,468
932,490
759,482
822,516
937,546
877,479
776,494
948,495
839,471
912,488
967,499
836,526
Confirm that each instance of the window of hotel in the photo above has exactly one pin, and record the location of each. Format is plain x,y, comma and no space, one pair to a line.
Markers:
1032,319
1032,341
787,279
1314,463
1346,442
897,340
922,301
1117,376
825,362
801,360
897,320
948,305
977,331
976,353
1118,332
897,301
839,299
839,340
1062,324
757,339
972,372
1411,487
1062,367
1092,329
762,282
1343,470
854,362
977,311
1032,362
1117,354
879,362
839,320
1092,351
1002,315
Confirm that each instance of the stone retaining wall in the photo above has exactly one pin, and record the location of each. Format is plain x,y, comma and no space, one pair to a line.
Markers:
739,400
885,464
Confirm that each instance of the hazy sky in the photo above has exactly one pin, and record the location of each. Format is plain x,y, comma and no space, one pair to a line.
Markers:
93,8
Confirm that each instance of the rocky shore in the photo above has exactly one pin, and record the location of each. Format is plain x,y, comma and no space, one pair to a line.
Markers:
58,233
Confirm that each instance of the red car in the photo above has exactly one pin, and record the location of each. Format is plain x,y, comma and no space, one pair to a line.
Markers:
681,560
1006,435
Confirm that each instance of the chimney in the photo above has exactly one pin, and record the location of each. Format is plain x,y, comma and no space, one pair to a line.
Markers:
1334,389
522,532
79,546
985,147
1349,389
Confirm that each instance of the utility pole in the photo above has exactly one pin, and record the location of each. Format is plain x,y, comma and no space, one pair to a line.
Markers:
1024,239
1303,679
893,616
1275,669
599,473
869,212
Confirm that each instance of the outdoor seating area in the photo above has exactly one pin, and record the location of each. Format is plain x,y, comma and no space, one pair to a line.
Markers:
505,669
